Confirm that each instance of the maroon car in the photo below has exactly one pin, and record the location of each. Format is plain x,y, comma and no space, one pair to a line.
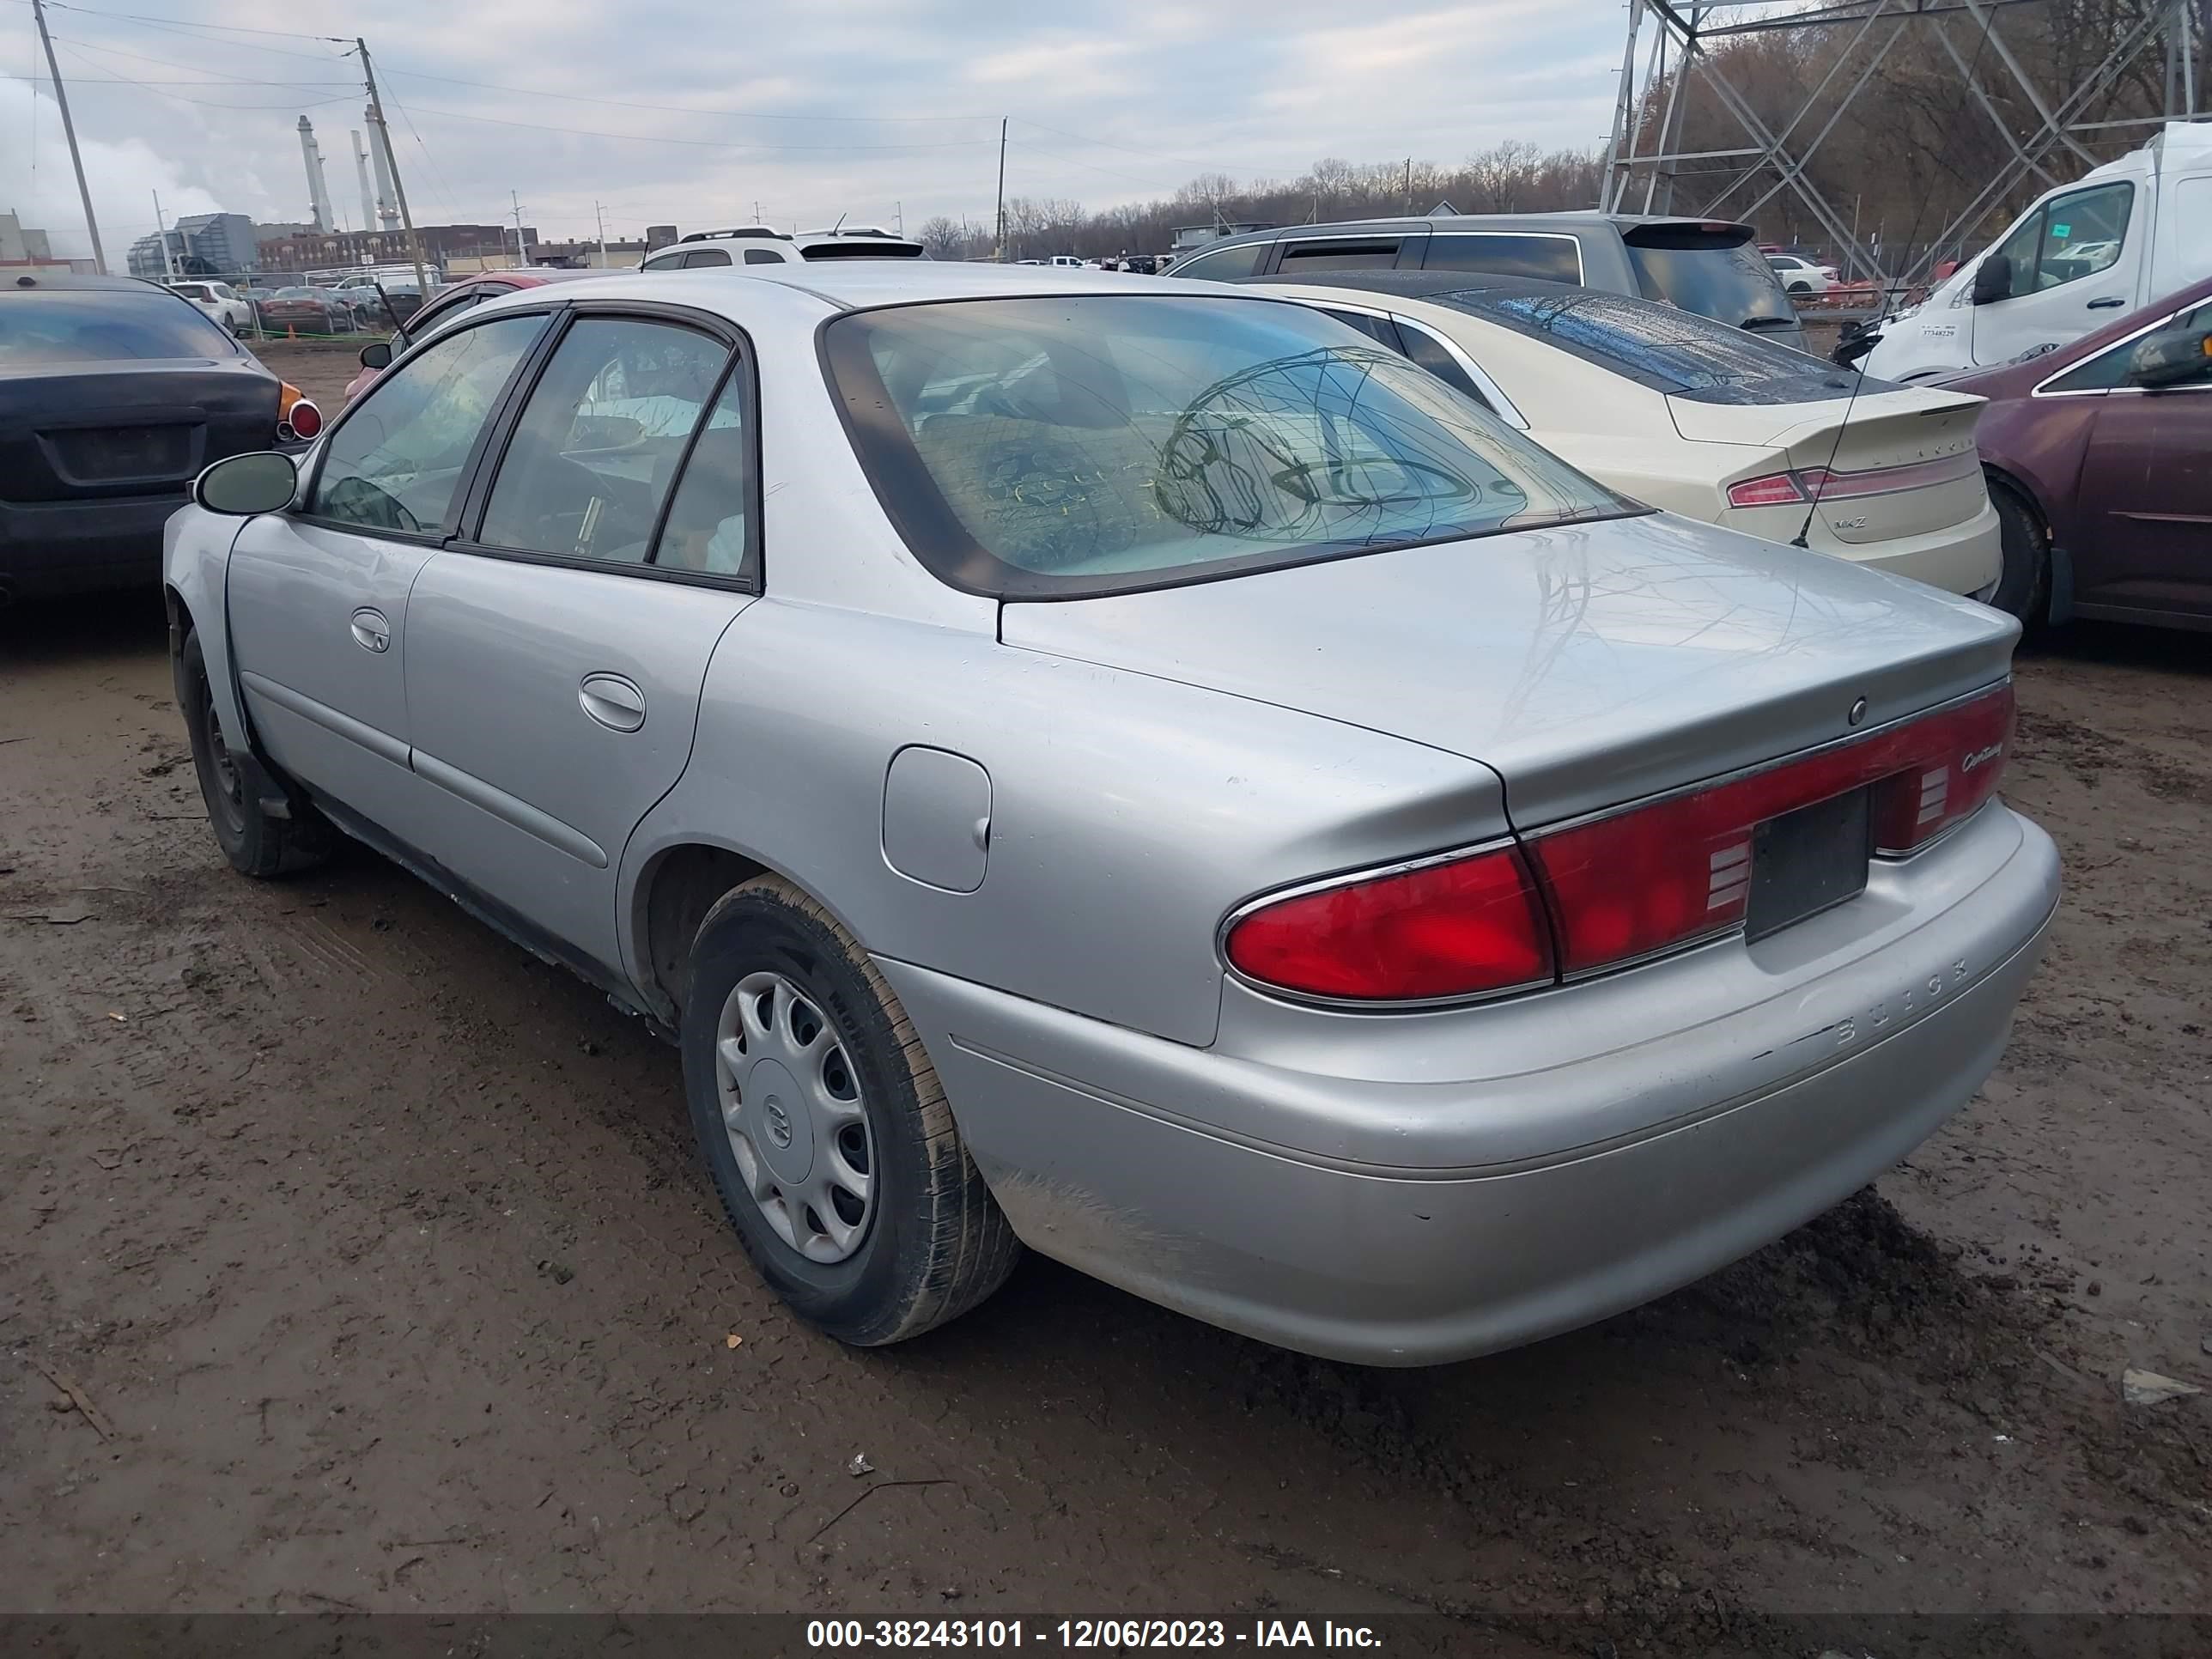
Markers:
448,302
2099,463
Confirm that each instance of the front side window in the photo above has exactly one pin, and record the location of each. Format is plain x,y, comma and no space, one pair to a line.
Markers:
598,440
1060,448
2080,235
98,325
2115,365
1221,263
1546,259
395,460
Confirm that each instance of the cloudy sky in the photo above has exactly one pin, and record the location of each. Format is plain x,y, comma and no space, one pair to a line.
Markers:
690,112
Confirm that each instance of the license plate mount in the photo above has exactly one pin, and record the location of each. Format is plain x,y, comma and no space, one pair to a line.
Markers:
1808,860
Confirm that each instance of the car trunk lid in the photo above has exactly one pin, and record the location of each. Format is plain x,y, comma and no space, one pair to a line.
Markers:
1589,665
83,431
1895,463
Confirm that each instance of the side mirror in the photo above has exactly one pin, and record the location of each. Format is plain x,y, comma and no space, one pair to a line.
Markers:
376,355
2170,357
243,485
1993,279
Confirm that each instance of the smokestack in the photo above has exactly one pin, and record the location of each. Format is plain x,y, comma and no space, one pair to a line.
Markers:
379,157
319,189
360,176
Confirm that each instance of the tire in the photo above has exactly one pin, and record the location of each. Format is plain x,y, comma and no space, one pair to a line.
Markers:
1801,287
256,842
929,1241
2024,585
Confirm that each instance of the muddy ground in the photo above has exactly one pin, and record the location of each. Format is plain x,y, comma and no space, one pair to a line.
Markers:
381,1252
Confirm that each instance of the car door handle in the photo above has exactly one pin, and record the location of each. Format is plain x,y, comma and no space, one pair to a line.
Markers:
370,630
2110,302
613,701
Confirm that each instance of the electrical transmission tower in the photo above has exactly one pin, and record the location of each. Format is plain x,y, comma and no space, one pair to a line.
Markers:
1644,167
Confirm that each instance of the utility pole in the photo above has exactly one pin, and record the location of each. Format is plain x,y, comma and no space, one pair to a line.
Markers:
600,208
1409,186
998,253
161,229
69,131
391,160
520,257
898,213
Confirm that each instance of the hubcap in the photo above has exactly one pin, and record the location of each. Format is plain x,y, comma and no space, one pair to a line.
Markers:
791,1105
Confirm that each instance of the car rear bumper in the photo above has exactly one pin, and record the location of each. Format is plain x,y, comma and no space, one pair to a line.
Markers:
49,548
1960,558
1420,1219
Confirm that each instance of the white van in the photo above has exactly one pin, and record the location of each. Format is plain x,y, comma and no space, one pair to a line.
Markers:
2083,254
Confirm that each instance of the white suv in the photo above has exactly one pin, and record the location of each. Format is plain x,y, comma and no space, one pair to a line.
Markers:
757,245
218,302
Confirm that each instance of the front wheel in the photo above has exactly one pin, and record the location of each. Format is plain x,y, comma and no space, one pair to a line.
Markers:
256,842
824,1125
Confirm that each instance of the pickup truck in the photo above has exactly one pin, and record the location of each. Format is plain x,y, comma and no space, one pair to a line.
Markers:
2079,258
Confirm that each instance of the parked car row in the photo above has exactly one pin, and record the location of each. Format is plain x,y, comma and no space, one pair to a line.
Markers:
1152,772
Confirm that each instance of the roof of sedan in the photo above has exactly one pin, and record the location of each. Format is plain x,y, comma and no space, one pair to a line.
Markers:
853,285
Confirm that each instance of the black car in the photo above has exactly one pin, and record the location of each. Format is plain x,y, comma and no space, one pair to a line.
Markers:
114,395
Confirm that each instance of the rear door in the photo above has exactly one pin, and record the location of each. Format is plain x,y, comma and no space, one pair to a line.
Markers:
318,597
556,650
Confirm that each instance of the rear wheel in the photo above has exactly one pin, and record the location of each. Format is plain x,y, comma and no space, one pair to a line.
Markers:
824,1126
256,842
2024,587
1801,287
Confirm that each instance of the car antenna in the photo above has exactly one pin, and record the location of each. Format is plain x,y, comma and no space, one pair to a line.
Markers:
840,225
1844,425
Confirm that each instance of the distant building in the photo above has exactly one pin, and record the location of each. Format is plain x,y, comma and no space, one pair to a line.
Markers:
18,247
217,243
448,247
1191,236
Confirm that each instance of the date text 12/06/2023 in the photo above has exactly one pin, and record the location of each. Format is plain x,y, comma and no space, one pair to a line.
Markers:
1111,1635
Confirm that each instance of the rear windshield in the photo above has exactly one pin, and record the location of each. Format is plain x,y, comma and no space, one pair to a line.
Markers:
95,325
1717,274
1048,448
1658,346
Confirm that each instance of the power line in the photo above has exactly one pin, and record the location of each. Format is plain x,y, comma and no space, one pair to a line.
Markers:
109,77
160,22
210,77
672,109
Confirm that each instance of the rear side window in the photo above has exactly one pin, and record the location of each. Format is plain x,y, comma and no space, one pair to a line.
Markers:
1340,253
1224,263
1672,351
104,325
393,462
761,255
1544,259
1425,349
591,458
705,256
1381,329
1717,274
710,526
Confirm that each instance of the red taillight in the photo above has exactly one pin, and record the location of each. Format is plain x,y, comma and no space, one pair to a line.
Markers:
1652,877
1820,484
307,419
1775,489
1462,926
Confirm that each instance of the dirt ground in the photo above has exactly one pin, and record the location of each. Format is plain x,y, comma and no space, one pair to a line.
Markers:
381,1253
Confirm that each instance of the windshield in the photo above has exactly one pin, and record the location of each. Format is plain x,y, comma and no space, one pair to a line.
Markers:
1060,447
1672,351
90,326
1717,274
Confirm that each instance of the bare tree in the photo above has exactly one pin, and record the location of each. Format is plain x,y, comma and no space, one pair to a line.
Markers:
943,238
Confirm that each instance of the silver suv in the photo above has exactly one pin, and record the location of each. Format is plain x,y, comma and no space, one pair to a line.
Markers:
1713,268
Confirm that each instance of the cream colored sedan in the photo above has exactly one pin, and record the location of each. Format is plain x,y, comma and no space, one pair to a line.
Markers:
1701,419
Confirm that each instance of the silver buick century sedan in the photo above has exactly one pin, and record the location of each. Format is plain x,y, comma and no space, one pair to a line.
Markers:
1076,761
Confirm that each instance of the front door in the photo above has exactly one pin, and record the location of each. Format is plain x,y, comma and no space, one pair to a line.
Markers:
2074,262
2146,502
318,596
556,652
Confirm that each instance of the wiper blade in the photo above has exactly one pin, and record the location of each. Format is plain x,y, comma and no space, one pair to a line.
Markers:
1769,322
